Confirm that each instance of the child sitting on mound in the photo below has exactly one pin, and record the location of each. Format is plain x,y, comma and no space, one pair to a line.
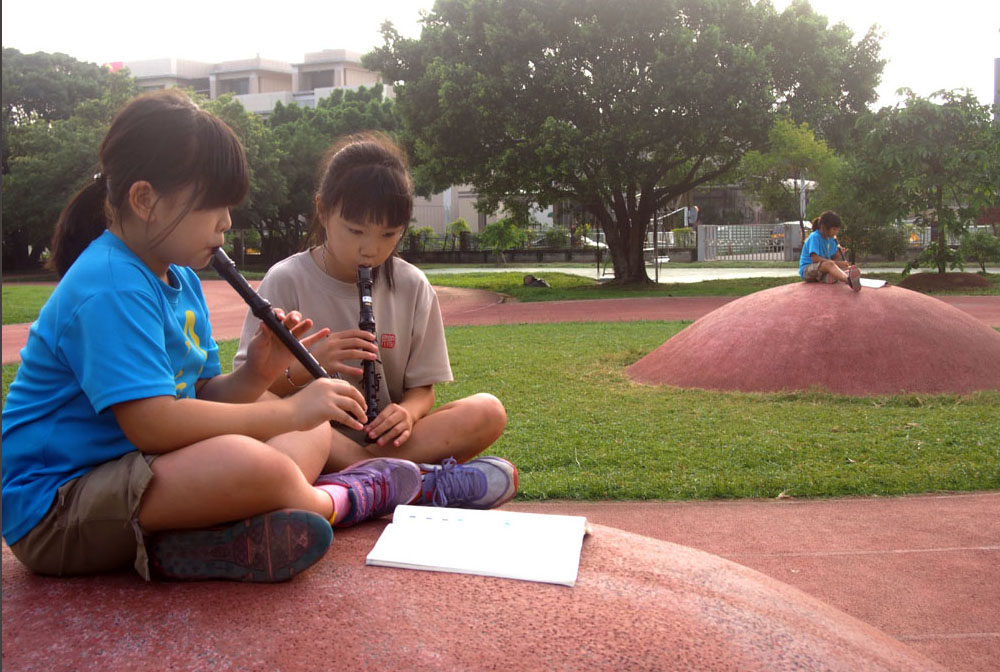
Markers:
819,261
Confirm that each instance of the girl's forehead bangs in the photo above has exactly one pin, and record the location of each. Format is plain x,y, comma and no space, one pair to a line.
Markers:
219,167
375,196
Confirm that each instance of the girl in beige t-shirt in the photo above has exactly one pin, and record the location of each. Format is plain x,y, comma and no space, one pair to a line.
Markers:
364,204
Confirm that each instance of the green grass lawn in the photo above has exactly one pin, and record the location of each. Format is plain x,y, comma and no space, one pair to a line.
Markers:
579,429
21,303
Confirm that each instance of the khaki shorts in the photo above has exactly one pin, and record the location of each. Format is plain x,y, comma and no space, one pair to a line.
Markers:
93,523
813,274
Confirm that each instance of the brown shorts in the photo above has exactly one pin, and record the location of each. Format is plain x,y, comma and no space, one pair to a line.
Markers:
92,525
813,274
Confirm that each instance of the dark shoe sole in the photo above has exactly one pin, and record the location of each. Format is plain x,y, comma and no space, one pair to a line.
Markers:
268,548
854,277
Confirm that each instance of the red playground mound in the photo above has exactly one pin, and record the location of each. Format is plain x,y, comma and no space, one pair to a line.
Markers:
794,337
638,604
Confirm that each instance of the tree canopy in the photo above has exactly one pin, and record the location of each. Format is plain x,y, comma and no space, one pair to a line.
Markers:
621,107
50,146
43,86
936,158
778,174
57,110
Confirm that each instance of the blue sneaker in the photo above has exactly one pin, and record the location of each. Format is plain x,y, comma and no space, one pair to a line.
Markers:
482,483
375,487
268,548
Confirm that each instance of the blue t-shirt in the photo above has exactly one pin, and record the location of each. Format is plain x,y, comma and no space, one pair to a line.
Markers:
111,332
816,244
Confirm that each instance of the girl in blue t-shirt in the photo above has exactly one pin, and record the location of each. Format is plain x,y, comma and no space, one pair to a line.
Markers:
819,261
122,442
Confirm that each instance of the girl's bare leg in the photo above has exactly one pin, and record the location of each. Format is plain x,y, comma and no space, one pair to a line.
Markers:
833,269
232,477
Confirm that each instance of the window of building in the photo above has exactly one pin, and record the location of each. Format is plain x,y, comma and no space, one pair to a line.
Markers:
199,85
321,79
239,87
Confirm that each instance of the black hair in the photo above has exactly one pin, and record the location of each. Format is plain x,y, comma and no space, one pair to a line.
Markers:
827,220
366,177
162,138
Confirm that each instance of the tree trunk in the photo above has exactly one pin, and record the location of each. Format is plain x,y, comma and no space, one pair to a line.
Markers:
625,235
629,264
627,257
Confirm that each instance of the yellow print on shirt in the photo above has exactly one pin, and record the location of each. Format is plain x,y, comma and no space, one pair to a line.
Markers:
191,336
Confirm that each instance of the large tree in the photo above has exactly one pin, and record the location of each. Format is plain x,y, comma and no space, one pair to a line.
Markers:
941,159
619,106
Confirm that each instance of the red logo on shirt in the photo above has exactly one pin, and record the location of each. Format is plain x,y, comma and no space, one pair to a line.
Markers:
388,341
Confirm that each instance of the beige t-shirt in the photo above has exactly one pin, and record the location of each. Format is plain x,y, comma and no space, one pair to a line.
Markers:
410,332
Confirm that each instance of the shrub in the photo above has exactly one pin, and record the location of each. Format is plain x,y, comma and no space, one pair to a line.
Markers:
981,247
417,238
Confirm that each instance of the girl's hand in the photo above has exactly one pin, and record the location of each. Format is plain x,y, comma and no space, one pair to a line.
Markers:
354,344
268,356
393,425
328,399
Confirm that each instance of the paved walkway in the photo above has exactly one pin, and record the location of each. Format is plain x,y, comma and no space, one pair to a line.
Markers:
924,569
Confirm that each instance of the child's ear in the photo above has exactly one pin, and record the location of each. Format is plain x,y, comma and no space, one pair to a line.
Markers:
141,199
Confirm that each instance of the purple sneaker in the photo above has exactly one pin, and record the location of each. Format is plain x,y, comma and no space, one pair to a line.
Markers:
375,487
482,483
267,548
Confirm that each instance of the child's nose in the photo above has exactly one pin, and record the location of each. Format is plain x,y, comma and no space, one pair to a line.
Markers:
369,249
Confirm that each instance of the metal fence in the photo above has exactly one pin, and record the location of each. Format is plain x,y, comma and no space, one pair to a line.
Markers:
748,242
740,242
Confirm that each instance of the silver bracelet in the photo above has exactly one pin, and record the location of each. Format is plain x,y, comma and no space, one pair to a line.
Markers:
288,377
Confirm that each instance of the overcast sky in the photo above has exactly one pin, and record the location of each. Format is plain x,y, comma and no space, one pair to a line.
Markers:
929,46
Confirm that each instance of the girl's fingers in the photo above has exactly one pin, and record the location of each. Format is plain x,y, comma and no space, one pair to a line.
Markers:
401,439
343,369
394,435
312,339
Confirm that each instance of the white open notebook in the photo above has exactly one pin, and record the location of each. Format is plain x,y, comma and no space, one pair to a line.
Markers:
507,544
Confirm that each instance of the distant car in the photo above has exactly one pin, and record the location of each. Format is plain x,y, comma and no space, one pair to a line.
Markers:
588,242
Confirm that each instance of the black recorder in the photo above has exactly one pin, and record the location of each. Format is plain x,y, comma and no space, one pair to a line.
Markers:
261,309
366,322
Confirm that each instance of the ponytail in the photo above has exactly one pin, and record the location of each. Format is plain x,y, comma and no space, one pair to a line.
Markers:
83,219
